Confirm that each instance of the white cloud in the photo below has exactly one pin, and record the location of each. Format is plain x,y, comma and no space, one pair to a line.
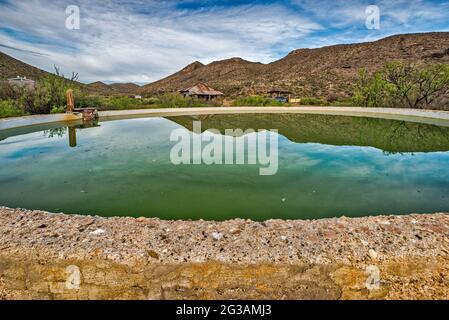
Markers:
344,20
119,43
142,41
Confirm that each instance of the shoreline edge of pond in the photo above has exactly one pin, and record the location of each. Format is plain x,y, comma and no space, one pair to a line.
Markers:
57,256
436,117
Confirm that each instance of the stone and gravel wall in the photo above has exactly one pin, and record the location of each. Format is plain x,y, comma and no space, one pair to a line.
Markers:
57,256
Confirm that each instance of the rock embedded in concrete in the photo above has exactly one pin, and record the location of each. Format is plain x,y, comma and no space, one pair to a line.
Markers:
217,236
98,232
149,258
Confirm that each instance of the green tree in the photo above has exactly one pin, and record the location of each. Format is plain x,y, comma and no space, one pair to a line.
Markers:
256,101
9,108
402,84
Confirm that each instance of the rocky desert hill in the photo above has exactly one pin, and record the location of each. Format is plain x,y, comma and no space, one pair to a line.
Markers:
327,72
114,88
99,86
231,75
124,87
323,72
11,68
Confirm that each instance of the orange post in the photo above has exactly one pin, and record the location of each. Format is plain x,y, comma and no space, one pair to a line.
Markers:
70,100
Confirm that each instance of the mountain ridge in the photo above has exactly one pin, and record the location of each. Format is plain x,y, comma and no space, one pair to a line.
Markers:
327,72
11,67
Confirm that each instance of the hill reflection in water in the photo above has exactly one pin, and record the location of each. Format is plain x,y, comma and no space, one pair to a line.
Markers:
392,136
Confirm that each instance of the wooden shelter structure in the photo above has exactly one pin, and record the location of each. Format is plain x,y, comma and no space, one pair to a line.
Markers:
202,91
277,92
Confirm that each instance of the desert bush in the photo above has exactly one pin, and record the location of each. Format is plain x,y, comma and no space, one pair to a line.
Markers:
125,102
313,102
178,101
335,99
48,95
7,91
49,92
116,103
122,102
342,102
403,84
173,101
256,101
56,109
151,101
332,96
371,91
9,108
83,100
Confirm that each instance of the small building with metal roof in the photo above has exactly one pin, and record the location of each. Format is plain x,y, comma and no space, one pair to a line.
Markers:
22,82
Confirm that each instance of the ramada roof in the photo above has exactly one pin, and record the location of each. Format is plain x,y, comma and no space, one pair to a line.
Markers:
202,89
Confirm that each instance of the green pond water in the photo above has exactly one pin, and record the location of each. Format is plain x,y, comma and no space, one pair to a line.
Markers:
328,166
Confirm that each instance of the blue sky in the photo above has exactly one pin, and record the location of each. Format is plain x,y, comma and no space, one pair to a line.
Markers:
143,41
